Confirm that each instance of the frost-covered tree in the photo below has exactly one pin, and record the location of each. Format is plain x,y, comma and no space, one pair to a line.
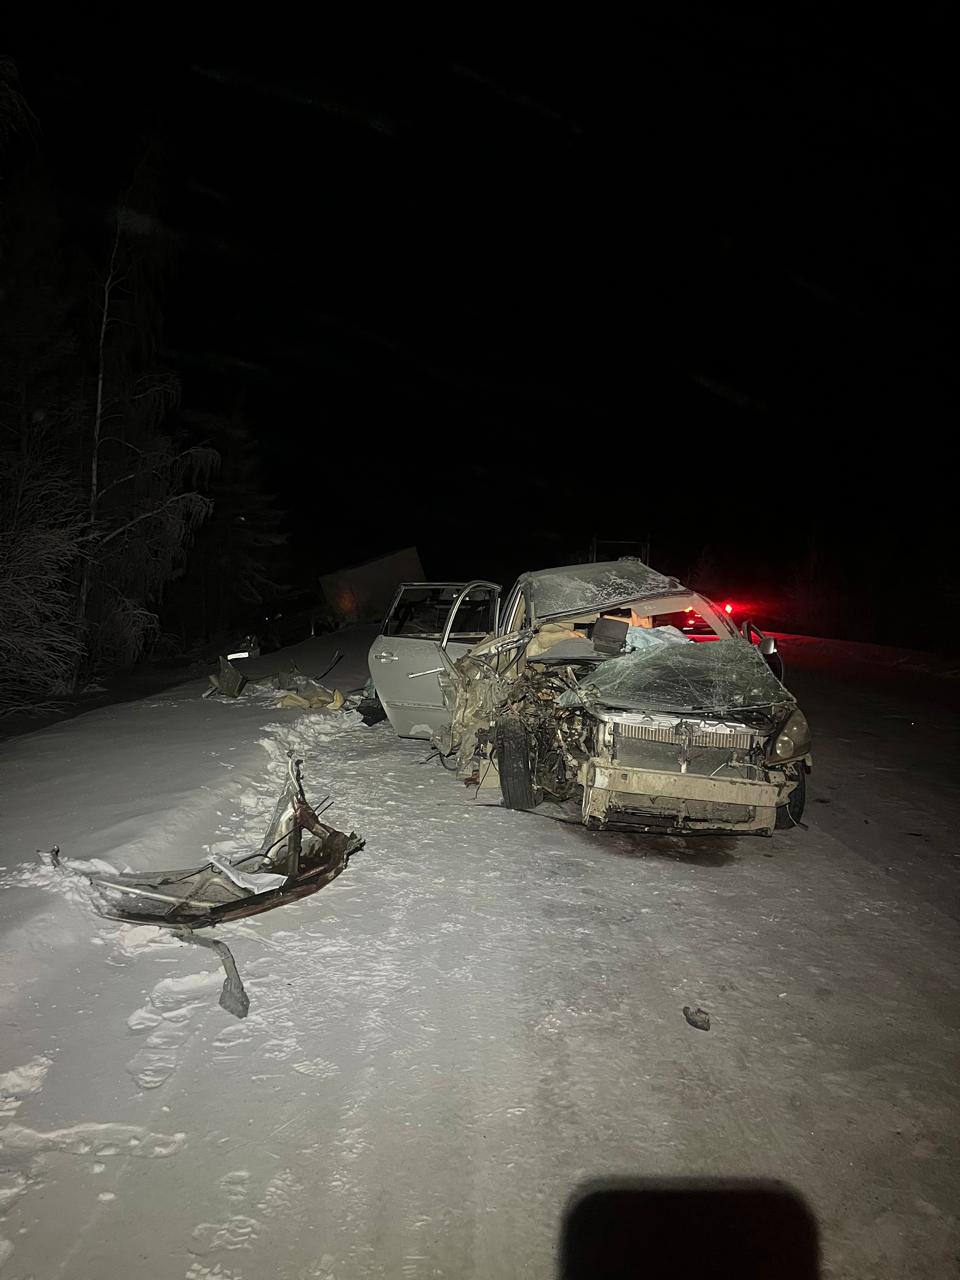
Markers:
15,114
143,485
41,517
41,525
84,386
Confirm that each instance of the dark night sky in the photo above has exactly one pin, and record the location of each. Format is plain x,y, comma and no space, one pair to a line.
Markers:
695,281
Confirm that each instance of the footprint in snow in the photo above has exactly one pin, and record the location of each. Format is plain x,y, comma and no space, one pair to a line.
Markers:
235,1185
238,1232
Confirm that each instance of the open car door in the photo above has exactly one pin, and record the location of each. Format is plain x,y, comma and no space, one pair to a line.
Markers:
405,661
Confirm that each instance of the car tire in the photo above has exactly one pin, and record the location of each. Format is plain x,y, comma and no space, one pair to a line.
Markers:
513,764
790,814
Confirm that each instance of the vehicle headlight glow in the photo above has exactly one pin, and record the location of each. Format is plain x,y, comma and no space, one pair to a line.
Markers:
793,739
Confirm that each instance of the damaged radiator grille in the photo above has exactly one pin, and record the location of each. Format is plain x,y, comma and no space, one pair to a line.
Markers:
677,736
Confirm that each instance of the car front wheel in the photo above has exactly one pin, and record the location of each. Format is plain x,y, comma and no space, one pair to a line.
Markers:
789,814
514,764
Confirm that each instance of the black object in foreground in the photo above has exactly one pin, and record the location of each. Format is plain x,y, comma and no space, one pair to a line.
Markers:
689,1229
371,710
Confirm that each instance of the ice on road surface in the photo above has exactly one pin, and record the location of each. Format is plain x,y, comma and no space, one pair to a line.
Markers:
481,1015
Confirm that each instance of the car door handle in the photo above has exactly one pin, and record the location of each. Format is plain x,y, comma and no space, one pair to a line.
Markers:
386,657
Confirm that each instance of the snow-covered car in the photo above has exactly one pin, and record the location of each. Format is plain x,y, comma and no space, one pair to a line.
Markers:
588,684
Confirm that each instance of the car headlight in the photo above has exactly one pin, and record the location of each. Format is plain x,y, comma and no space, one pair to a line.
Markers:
793,739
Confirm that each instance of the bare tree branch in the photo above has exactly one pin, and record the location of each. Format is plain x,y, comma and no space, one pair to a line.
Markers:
147,515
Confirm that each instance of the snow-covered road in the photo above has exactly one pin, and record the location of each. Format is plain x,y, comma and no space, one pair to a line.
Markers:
481,1014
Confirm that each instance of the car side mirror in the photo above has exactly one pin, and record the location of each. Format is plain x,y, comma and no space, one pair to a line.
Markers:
768,646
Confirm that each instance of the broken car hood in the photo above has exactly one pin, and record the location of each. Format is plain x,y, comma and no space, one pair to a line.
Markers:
714,676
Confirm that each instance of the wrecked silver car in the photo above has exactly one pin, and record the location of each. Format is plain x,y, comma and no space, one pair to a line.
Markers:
592,684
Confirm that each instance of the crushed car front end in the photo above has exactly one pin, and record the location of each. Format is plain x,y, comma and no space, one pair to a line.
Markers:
663,734
692,736
654,772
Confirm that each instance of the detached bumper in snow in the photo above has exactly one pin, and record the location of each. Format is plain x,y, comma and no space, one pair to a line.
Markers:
651,800
298,856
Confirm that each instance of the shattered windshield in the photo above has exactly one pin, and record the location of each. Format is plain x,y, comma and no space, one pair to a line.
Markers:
721,676
584,587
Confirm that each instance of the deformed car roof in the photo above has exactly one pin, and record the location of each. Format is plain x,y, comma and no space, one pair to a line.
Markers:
578,588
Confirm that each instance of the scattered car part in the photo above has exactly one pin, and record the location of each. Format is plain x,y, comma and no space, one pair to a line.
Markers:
311,696
228,680
299,691
248,647
370,707
698,1018
299,855
233,994
338,655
